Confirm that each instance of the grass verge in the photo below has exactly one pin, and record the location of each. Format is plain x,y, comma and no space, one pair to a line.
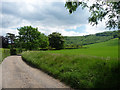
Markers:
78,71
4,53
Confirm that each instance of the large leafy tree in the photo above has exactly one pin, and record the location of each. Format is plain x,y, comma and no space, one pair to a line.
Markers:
11,40
3,42
11,37
44,41
99,10
56,40
29,37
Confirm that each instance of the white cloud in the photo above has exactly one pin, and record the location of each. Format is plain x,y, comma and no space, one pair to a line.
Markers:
33,1
3,31
95,29
48,16
72,33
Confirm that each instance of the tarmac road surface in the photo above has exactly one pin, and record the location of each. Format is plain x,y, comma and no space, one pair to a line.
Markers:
17,74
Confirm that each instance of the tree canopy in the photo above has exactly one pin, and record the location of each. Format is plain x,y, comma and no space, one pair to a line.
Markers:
30,38
3,42
56,40
43,41
11,38
99,10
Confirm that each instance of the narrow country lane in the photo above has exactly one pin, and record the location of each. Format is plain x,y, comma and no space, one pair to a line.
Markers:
17,74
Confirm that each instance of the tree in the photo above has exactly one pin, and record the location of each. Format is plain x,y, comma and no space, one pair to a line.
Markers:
44,41
19,43
56,40
99,10
4,42
29,37
11,38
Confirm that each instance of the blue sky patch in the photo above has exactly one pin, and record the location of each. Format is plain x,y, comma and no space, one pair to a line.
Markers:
80,29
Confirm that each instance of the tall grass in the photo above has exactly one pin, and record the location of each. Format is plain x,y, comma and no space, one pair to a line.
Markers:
4,53
78,71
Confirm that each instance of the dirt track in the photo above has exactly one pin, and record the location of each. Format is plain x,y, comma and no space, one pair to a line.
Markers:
17,74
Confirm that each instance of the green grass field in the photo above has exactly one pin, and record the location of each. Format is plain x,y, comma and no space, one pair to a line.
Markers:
96,66
104,49
4,53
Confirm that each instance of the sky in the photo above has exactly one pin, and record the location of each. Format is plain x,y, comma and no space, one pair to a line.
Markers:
48,15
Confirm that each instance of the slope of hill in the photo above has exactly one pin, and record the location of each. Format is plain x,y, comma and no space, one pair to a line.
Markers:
103,49
90,39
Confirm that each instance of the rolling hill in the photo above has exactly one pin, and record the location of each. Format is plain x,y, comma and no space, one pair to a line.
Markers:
102,49
90,39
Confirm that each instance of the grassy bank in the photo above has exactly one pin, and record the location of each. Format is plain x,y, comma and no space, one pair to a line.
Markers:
78,71
92,67
4,53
